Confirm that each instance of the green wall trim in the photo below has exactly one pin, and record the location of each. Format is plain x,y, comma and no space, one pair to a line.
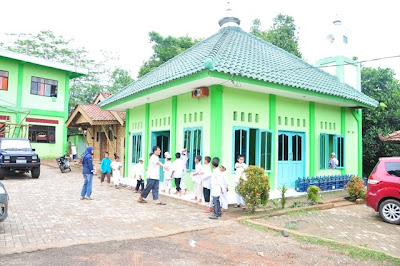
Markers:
173,83
272,126
66,101
47,113
216,95
343,132
357,113
284,87
311,109
19,96
147,139
126,155
20,83
174,124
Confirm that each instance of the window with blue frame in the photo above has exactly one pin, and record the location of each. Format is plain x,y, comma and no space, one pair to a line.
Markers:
256,146
192,141
331,143
136,147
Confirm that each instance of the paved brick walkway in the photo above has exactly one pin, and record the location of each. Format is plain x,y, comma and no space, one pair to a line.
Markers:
47,212
355,224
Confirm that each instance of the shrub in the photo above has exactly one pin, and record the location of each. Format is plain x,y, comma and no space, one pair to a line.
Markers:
255,189
283,191
356,188
313,194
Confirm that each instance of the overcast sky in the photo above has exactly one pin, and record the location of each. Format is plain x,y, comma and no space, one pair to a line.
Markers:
122,26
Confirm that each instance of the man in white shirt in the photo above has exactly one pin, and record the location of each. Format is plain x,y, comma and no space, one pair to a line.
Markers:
216,188
333,162
206,179
73,151
184,159
178,170
153,179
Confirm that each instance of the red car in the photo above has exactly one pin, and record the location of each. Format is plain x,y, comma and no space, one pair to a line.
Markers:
383,193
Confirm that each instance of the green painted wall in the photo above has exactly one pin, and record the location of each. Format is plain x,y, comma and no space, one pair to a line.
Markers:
42,102
192,112
247,105
51,150
327,120
190,108
136,125
18,94
237,107
292,115
12,68
160,116
351,144
79,142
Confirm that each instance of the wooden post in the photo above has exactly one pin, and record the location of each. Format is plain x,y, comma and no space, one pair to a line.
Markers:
108,139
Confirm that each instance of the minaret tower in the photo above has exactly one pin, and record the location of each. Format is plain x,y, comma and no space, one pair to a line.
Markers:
338,61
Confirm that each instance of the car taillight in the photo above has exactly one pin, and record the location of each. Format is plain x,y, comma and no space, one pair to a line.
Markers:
373,180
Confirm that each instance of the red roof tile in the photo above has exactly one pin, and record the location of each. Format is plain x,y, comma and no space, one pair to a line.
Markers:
96,114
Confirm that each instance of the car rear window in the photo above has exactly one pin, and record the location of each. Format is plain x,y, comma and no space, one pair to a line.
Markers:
393,168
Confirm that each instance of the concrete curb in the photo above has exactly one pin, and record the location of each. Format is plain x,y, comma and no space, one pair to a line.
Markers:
279,229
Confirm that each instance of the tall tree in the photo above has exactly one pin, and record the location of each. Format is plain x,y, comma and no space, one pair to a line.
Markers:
283,33
120,78
103,75
164,49
381,85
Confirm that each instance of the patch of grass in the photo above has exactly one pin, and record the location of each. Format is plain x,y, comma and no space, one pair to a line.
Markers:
299,212
291,226
349,250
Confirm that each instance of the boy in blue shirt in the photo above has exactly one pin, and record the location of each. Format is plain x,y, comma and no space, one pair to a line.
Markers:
105,168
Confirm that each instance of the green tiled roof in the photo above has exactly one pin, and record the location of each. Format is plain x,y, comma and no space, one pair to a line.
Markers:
234,51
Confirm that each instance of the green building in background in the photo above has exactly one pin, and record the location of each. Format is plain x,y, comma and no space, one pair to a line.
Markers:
34,96
234,93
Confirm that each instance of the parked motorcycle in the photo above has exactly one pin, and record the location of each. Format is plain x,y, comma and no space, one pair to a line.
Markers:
63,163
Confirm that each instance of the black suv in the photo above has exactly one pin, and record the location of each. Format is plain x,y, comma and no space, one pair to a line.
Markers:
17,155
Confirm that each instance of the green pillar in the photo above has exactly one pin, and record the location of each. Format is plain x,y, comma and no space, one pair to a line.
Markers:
127,147
360,144
358,116
272,126
66,109
19,98
173,124
343,133
216,92
311,109
147,138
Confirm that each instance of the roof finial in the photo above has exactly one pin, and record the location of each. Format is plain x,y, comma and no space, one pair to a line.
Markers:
229,19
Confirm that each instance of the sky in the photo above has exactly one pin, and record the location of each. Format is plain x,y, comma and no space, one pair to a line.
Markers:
122,27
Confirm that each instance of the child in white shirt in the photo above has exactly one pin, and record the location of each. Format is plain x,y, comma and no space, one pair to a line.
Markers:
216,188
206,178
167,174
184,158
177,172
197,178
224,180
240,167
116,174
139,171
